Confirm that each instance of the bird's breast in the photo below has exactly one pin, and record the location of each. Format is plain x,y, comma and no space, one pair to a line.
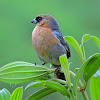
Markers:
43,39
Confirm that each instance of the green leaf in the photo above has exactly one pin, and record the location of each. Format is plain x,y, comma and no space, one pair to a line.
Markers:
65,67
92,66
83,51
21,72
76,69
76,46
79,73
17,94
85,38
95,88
41,94
97,41
34,84
4,94
12,85
16,63
50,84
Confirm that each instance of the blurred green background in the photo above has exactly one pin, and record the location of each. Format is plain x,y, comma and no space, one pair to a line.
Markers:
75,19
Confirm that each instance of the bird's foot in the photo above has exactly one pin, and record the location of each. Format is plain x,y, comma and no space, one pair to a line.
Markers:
59,74
58,70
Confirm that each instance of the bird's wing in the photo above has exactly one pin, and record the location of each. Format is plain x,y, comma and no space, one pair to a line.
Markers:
59,35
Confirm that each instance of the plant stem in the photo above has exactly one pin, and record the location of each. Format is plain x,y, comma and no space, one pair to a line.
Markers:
83,91
53,70
72,95
59,80
72,74
81,85
85,84
64,82
85,95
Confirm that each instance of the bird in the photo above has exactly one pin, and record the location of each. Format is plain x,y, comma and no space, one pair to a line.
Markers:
48,42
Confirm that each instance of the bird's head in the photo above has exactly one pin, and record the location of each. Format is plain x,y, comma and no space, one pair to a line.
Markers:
45,20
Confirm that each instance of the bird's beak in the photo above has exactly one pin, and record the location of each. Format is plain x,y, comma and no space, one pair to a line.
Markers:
34,21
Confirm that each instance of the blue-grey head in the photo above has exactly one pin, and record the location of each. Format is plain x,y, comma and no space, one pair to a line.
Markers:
45,20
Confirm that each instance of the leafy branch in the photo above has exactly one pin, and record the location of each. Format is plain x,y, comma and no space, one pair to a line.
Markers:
21,72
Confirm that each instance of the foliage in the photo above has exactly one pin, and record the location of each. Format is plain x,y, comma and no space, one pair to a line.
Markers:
95,87
4,94
17,94
21,72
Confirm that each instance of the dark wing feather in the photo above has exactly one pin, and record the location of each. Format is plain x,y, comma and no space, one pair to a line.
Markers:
59,35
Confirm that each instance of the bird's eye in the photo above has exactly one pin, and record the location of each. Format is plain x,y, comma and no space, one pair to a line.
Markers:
38,19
